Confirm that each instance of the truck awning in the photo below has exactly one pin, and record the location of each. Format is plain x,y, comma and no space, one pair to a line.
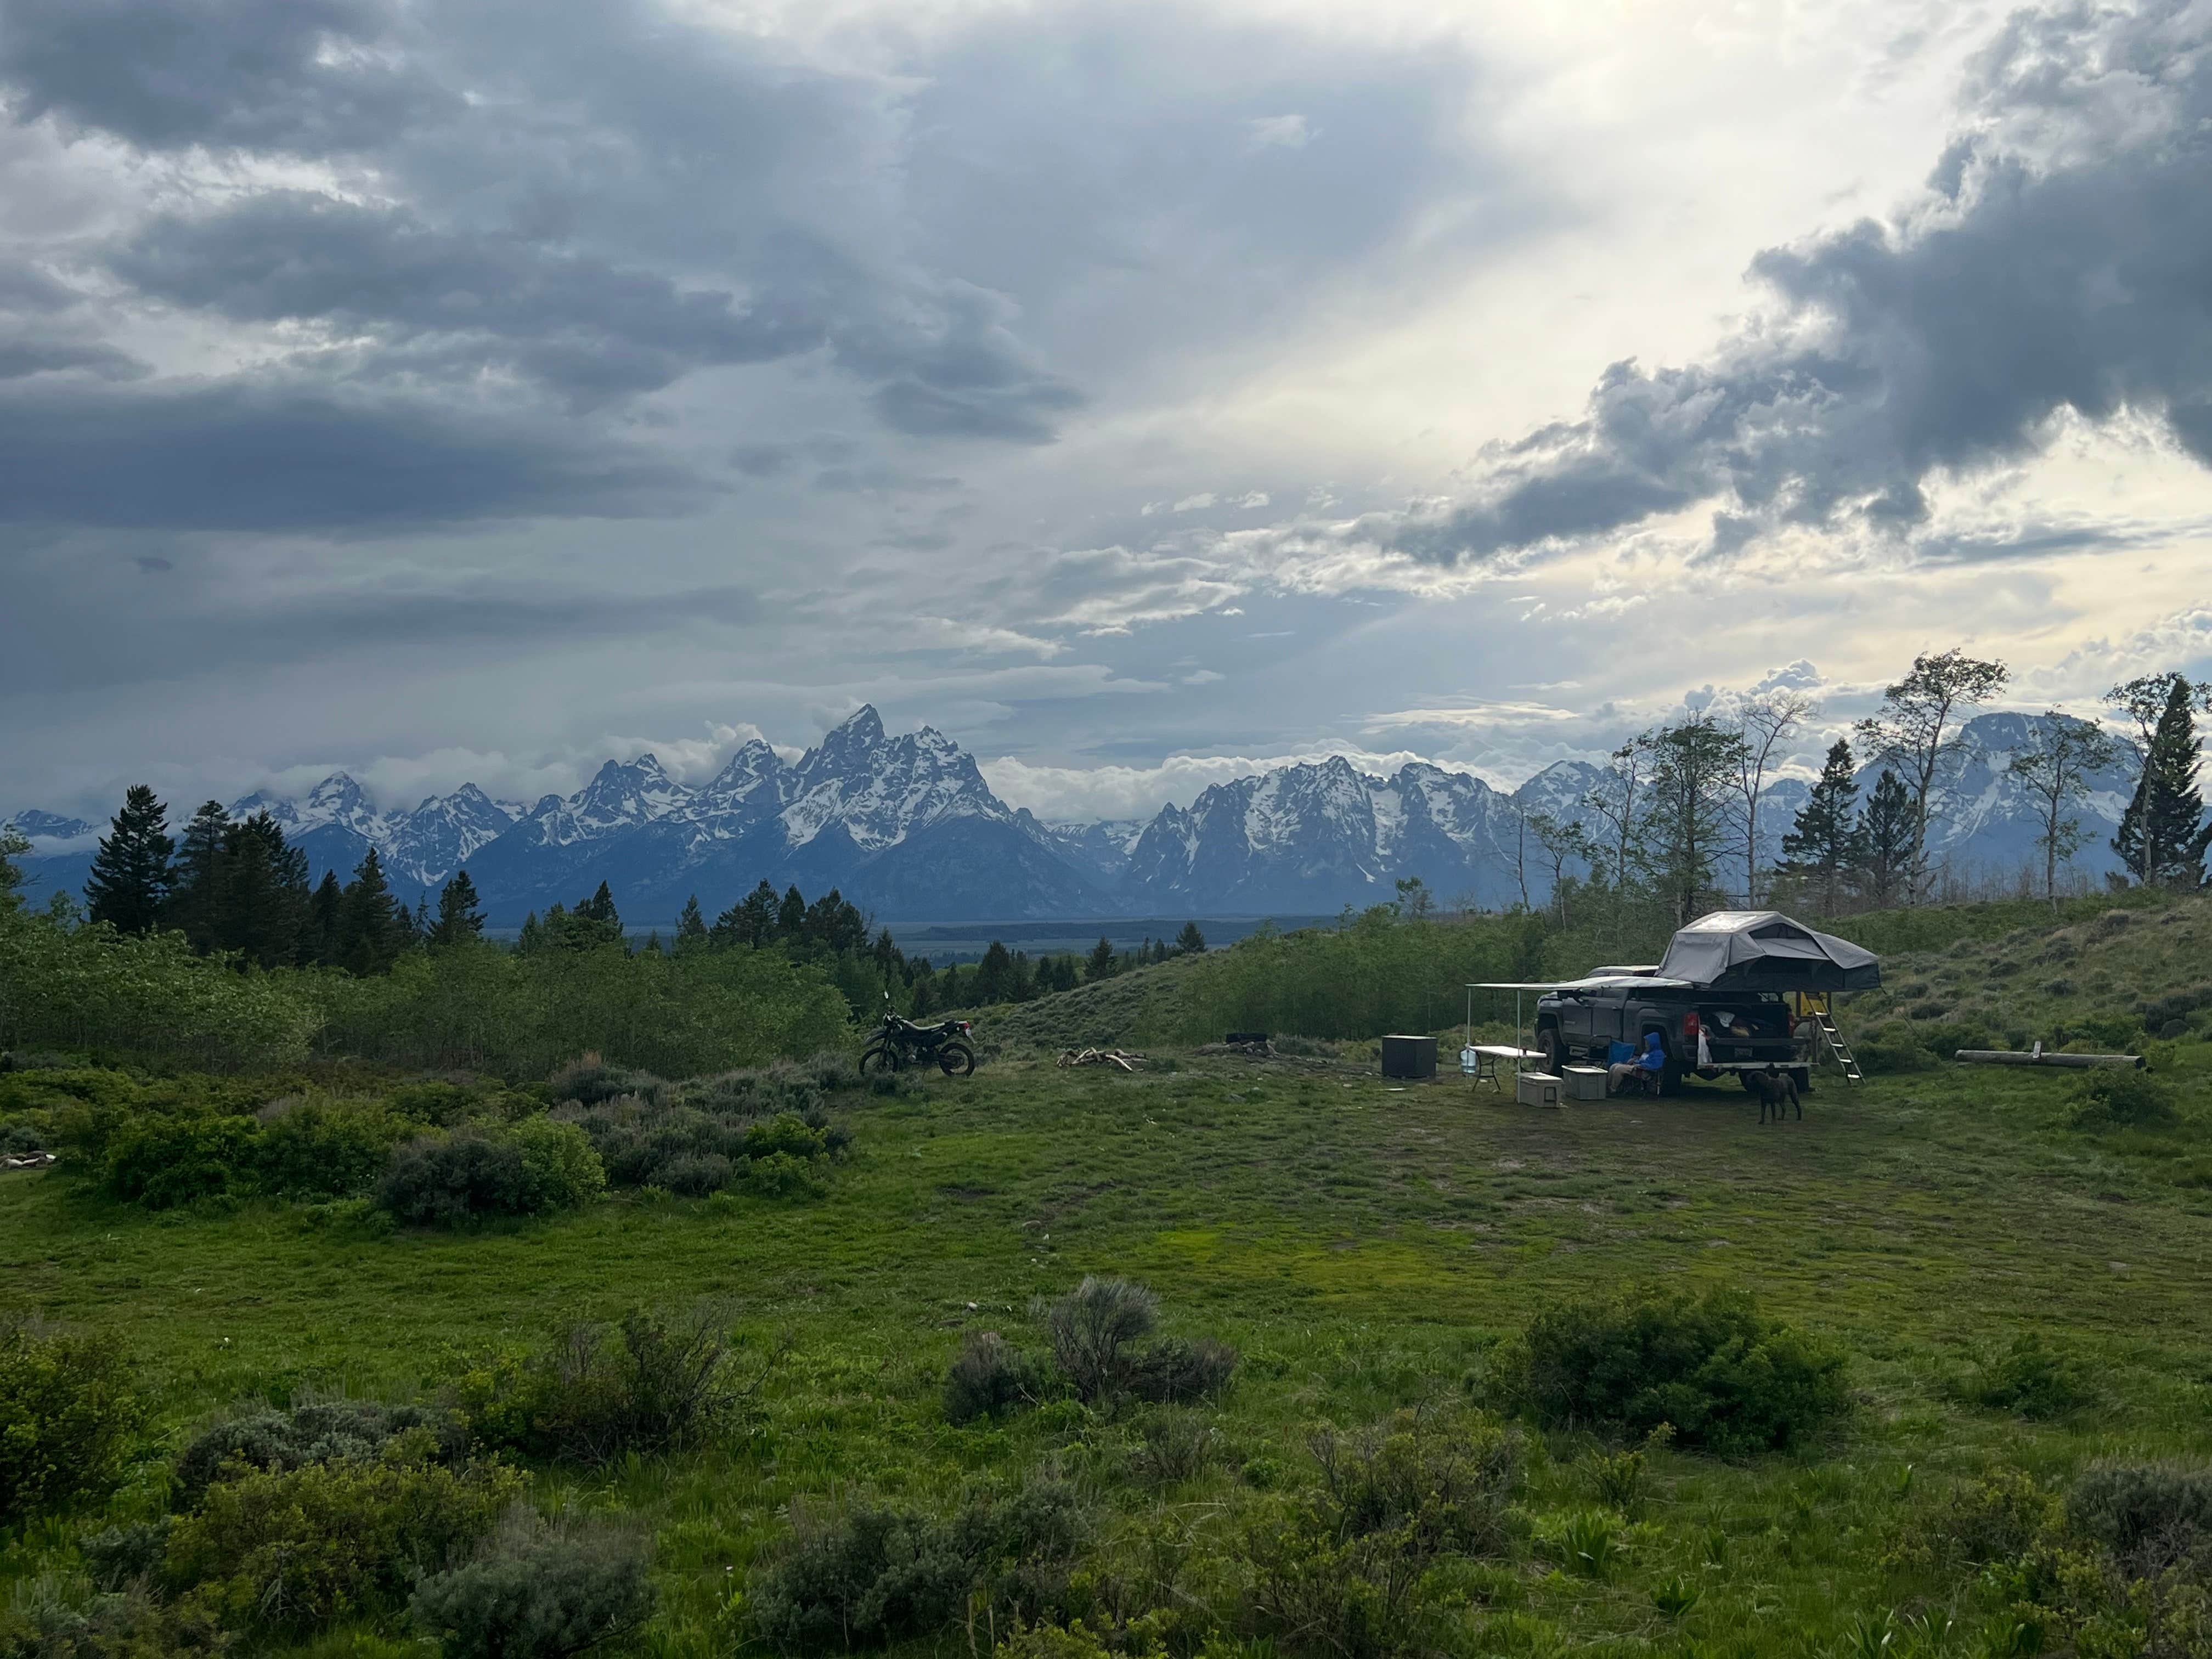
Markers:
1590,982
1766,951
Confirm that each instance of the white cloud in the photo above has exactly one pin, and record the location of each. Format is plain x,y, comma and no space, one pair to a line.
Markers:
1278,132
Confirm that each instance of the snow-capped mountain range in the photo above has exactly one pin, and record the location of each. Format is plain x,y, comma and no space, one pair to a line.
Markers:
907,826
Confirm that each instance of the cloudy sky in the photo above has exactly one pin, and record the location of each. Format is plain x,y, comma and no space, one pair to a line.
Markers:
450,389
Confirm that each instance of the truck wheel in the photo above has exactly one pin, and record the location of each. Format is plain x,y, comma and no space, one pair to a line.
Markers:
1548,1044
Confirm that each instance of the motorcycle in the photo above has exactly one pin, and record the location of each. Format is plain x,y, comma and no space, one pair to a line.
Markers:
898,1042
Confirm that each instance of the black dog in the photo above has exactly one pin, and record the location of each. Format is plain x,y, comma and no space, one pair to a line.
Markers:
1777,1091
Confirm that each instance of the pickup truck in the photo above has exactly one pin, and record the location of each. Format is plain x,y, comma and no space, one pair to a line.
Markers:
1743,1030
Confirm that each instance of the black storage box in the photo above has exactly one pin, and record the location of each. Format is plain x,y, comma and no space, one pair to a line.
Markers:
1409,1056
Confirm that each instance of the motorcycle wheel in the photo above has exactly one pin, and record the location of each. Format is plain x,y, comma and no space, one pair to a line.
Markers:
881,1059
955,1060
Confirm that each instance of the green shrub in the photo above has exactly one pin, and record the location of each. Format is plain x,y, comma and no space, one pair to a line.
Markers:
528,1168
1994,1518
1093,1329
47,1622
118,1557
69,1410
439,1104
788,1135
162,1161
2029,1379
695,1174
2148,1515
327,1150
700,1144
1894,1047
559,1169
535,1591
1337,1571
1727,1379
652,1384
1174,1372
2100,1034
591,1080
1176,1446
990,1378
867,1575
2124,1100
1071,1641
442,1180
289,1551
779,1175
316,1431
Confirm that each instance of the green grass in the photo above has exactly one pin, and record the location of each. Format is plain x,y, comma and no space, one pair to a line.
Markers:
1363,1244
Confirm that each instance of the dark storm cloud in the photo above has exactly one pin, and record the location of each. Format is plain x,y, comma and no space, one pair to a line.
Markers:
247,456
590,327
302,76
2040,279
19,357
67,634
580,207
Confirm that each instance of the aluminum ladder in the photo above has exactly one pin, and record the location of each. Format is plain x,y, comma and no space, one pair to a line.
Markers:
1840,1049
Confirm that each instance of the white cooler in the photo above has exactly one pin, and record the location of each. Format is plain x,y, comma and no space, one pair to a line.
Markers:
1585,1082
1541,1089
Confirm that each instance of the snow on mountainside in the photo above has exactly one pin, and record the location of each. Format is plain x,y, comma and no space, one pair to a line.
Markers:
907,824
39,826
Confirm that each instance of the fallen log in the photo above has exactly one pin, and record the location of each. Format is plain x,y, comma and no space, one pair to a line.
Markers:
2038,1057
1127,1062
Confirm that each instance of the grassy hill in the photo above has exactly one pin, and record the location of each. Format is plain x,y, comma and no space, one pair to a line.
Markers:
2001,974
1367,1249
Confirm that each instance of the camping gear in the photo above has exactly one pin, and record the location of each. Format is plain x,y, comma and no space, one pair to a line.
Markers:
1584,1081
1540,1089
1409,1056
1766,951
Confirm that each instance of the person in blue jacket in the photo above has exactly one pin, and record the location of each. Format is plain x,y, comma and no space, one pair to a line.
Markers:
1651,1061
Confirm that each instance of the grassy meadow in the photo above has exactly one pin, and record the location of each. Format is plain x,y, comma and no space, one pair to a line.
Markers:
1363,1245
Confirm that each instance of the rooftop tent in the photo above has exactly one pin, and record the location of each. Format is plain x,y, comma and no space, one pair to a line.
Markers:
1765,950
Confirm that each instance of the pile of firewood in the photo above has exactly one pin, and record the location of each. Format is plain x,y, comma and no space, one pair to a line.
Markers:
1122,1058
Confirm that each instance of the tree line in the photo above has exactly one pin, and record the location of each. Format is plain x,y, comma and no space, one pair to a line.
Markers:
1676,822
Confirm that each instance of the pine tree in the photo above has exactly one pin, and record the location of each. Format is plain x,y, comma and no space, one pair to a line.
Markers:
130,877
752,921
13,843
2163,835
691,927
1190,942
1888,842
318,940
368,930
196,878
533,936
1101,963
459,920
995,974
261,898
1823,846
791,916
